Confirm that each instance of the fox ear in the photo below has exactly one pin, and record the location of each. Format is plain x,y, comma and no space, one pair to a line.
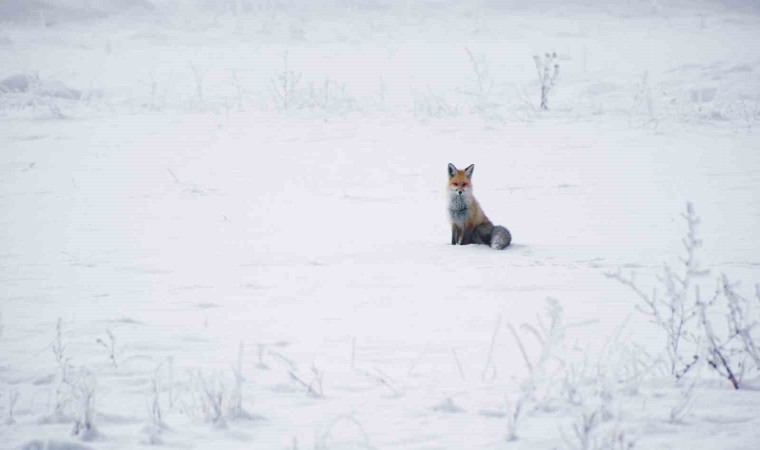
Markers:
452,170
468,170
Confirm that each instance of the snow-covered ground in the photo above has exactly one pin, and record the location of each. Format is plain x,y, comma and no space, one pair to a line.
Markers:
251,207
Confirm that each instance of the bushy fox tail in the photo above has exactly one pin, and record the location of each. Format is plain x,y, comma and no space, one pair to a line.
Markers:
500,237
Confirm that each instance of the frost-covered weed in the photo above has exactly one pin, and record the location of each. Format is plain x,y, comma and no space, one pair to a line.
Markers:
683,405
429,104
482,89
343,432
155,426
110,347
548,71
198,83
210,395
235,409
84,388
313,385
13,396
286,88
676,313
538,390
688,322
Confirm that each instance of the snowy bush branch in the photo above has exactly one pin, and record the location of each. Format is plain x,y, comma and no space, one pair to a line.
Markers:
285,86
12,399
548,71
688,320
733,349
677,312
482,90
110,348
84,395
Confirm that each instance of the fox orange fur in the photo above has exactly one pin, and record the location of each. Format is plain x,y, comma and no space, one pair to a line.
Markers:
469,223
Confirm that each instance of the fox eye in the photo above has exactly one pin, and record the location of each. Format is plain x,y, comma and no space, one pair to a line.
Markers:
464,184
456,184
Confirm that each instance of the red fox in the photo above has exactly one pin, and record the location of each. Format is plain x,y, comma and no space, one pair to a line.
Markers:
469,223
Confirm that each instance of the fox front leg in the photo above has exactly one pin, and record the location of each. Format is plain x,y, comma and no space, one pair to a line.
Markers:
454,234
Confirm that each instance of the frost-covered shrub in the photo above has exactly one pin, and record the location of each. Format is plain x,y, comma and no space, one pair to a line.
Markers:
732,348
286,88
210,395
548,71
537,389
155,425
482,90
12,399
676,312
429,104
110,347
722,331
84,398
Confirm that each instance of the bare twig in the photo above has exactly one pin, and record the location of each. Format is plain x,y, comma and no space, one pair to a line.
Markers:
110,347
524,353
459,364
489,361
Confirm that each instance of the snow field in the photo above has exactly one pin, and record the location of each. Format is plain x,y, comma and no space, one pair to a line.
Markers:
316,236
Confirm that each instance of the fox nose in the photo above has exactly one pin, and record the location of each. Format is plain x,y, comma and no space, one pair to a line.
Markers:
460,191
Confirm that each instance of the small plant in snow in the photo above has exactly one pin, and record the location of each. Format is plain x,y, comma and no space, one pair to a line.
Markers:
742,324
330,97
489,371
514,414
583,430
735,348
683,405
152,84
12,399
574,375
239,90
198,79
84,398
687,319
746,109
313,387
261,351
343,432
594,429
236,397
63,385
548,71
537,386
59,348
381,378
212,398
635,364
550,337
285,86
676,314
155,425
110,347
643,99
483,91
235,407
430,104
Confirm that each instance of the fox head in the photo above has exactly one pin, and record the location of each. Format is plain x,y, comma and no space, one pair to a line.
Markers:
460,181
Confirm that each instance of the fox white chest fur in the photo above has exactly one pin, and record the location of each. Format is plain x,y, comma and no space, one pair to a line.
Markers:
459,208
